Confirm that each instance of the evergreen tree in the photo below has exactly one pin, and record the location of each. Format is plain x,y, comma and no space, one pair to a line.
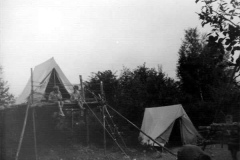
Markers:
6,98
188,68
199,68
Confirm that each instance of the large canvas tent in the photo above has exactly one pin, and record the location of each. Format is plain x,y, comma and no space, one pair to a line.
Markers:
45,76
158,123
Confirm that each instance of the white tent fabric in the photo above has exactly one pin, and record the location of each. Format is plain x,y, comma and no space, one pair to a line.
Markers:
41,76
158,123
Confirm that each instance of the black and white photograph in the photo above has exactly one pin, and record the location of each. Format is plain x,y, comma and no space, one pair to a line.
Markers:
119,79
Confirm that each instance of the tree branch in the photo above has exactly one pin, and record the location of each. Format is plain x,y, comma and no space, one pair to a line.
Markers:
236,76
220,14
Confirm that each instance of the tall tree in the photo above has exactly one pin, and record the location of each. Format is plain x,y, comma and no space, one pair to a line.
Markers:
198,66
6,98
204,77
188,68
224,16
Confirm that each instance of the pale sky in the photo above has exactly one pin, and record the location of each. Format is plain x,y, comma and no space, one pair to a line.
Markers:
86,36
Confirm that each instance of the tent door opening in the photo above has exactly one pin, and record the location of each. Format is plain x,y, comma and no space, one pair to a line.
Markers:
55,80
175,138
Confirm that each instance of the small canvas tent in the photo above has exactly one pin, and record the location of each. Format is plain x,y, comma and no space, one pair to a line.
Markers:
45,76
158,123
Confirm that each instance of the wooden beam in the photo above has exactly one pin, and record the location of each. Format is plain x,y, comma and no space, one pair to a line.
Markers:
33,117
86,111
81,85
103,119
22,133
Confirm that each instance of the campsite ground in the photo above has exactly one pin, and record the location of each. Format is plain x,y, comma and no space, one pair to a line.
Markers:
80,152
55,145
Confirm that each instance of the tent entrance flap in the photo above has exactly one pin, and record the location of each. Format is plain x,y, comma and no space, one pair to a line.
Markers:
45,76
170,123
175,137
165,135
55,80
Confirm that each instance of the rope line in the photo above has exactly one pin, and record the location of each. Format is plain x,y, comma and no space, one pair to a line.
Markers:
106,129
100,99
142,131
115,126
96,98
138,128
108,124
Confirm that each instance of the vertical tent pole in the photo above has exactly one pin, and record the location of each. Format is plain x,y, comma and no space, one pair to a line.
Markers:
23,129
34,132
181,131
54,78
2,135
222,138
104,127
33,117
81,85
72,120
101,87
103,116
22,133
86,111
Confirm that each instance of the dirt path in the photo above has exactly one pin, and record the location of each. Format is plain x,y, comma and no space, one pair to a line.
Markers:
78,152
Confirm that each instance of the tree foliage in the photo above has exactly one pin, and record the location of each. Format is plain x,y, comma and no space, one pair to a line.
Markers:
198,66
224,17
202,77
136,89
109,80
145,87
5,97
188,67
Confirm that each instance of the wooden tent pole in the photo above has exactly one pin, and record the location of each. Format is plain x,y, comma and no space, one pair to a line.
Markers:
33,117
34,132
24,127
2,135
101,87
104,128
103,117
54,78
181,131
81,85
22,133
86,111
